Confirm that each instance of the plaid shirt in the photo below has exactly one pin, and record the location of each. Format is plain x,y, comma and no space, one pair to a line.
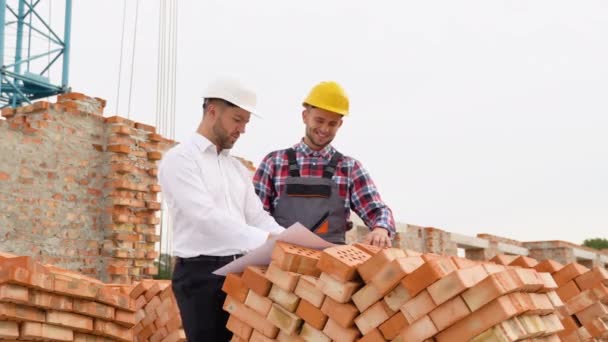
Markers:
354,183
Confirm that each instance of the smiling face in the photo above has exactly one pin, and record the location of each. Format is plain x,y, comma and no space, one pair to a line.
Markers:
228,123
321,127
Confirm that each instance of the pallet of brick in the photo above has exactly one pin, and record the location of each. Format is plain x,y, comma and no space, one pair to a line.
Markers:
156,312
370,294
43,302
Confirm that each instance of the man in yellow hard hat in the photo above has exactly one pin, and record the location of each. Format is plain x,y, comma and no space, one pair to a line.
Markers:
316,185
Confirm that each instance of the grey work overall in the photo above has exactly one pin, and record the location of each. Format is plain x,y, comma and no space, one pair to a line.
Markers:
315,202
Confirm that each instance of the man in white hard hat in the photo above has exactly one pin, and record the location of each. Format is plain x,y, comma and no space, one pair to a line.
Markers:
216,214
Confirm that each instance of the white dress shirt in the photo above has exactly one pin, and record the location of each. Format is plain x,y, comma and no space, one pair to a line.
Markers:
212,201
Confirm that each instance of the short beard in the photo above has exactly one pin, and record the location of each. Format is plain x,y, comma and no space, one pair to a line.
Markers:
222,136
311,139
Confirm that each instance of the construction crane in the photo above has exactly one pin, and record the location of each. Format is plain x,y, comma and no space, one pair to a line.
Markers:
26,75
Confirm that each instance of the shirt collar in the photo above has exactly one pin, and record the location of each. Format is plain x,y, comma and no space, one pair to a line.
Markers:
205,145
324,153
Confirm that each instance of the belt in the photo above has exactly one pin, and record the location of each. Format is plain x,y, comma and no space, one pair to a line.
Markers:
214,258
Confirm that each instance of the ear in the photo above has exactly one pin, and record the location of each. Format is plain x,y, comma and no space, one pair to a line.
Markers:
304,115
340,122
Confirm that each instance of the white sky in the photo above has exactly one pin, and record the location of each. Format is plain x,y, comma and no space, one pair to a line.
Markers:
471,116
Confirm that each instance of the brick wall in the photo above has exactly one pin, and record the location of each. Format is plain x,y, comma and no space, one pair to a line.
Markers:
78,190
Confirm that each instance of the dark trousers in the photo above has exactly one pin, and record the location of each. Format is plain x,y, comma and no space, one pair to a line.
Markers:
200,298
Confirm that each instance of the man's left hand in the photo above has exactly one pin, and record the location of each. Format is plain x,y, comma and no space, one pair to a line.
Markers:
378,237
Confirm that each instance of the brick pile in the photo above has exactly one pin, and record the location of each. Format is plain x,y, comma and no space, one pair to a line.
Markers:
362,293
157,316
584,292
44,302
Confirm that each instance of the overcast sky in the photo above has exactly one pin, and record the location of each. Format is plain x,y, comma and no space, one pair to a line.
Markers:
471,116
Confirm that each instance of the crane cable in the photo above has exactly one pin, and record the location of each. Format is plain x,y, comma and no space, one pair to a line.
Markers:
133,58
122,39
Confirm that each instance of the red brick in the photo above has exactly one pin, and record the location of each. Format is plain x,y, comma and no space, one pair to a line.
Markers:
254,278
373,335
367,296
342,314
9,330
509,330
112,330
159,335
569,272
528,279
37,331
311,315
382,257
418,307
138,290
581,301
308,333
125,318
555,300
287,300
341,261
296,259
235,287
114,298
596,310
541,304
427,274
14,294
597,275
533,325
498,310
340,291
493,268
11,311
598,328
548,265
283,319
393,326
176,336
338,333
389,276
490,288
239,328
397,297
419,331
283,279
70,320
119,149
462,263
449,313
250,317
152,291
568,291
552,324
258,303
154,155
369,249
75,287
256,336
94,309
548,282
503,259
373,317
455,283
524,261
307,289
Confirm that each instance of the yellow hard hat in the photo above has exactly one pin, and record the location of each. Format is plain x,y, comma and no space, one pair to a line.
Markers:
330,96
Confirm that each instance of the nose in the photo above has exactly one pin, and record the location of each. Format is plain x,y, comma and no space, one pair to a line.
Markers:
242,129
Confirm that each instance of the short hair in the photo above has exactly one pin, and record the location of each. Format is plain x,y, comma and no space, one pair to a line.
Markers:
216,100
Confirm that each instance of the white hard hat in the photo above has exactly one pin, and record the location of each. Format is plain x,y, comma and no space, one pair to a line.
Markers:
233,91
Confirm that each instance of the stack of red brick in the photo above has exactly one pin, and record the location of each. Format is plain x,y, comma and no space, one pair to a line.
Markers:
43,302
584,292
156,312
362,293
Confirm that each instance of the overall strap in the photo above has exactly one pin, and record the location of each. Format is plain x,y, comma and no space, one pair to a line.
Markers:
294,169
330,168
